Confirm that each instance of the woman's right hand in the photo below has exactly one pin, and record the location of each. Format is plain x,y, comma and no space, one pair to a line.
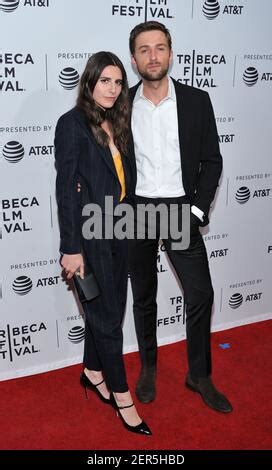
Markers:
72,264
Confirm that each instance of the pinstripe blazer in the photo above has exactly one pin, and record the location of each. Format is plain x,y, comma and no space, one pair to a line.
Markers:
79,158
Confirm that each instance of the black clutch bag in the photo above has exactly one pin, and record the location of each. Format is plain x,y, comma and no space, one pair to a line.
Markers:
87,288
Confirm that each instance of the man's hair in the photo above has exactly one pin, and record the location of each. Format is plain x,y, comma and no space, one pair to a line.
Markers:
148,26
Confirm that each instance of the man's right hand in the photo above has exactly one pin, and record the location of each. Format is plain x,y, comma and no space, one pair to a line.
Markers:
195,223
72,264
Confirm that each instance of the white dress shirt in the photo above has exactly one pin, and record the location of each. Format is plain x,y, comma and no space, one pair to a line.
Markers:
157,150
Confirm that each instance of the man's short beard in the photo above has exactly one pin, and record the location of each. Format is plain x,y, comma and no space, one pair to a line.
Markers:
153,77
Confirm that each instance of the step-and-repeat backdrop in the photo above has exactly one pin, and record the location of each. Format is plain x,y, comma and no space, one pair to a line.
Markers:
223,47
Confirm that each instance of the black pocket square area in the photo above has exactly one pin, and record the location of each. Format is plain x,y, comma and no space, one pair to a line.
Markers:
87,288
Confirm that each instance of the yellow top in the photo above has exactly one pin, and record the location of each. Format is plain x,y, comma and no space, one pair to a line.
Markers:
120,173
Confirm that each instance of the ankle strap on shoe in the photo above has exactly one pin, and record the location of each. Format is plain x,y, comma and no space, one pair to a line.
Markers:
96,385
125,406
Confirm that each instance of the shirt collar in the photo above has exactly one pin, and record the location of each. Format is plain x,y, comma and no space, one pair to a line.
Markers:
171,95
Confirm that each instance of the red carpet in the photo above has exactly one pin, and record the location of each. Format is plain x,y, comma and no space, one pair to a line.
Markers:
48,411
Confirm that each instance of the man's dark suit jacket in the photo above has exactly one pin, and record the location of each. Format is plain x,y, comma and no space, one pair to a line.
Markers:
201,162
79,158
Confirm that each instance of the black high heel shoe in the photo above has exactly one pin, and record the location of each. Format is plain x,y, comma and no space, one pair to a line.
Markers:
87,384
141,428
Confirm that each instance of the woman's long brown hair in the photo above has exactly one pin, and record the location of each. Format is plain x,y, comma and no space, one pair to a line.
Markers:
118,115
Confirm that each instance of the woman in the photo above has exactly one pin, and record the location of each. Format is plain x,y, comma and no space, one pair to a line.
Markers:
91,145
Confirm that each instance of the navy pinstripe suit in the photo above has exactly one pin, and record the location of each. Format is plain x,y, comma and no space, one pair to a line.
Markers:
80,158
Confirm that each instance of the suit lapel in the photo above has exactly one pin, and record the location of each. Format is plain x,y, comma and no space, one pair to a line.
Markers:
107,157
104,152
131,152
184,119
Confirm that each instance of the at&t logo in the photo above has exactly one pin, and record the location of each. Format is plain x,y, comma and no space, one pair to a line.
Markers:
251,76
211,9
8,6
22,285
13,151
225,138
219,253
69,78
76,334
236,300
243,194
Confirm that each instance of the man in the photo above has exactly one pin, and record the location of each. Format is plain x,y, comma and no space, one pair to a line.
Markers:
177,161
